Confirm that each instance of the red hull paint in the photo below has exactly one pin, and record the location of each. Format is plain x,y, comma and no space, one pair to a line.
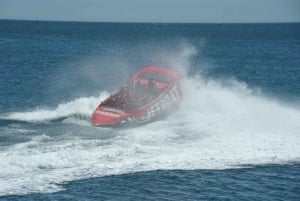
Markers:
116,111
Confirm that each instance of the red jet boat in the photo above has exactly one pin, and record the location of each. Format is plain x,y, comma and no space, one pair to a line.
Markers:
151,93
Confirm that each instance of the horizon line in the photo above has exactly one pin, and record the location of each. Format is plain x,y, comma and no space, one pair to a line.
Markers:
146,22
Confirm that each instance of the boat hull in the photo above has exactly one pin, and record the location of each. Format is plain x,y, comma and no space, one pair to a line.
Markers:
168,100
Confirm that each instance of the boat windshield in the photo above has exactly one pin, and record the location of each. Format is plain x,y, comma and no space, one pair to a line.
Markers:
157,77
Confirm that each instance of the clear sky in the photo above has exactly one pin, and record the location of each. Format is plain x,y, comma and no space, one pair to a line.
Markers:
153,10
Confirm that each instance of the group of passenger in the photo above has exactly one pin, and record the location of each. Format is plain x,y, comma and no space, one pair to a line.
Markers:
133,94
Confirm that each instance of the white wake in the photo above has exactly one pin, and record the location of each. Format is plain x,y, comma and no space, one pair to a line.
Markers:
217,127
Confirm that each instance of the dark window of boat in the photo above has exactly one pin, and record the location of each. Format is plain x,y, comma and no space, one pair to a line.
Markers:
157,77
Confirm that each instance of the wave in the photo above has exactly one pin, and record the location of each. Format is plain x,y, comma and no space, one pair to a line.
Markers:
219,125
79,108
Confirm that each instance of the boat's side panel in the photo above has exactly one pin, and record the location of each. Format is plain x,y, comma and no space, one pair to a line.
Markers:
107,117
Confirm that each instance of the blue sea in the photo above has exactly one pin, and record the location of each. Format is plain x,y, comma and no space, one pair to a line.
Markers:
235,136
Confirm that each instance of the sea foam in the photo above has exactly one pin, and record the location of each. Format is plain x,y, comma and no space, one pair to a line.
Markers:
217,126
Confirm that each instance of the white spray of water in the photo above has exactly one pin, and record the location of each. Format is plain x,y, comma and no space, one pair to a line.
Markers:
83,106
216,127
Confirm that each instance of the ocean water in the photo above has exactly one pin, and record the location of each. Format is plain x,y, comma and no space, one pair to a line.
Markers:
236,135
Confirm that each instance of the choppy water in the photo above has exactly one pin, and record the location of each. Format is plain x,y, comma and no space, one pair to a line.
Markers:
235,136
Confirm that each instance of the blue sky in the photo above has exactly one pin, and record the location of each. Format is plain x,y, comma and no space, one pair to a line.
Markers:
153,10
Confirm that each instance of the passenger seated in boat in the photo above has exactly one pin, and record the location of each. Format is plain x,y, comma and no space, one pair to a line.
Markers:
119,99
134,94
145,93
152,89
